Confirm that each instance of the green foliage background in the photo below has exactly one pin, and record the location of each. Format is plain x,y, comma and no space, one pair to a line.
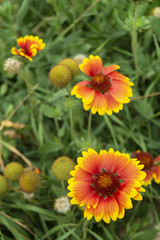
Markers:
68,29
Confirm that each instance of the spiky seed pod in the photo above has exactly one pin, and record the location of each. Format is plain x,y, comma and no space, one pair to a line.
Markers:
60,75
12,66
13,170
29,181
62,204
3,185
62,166
71,64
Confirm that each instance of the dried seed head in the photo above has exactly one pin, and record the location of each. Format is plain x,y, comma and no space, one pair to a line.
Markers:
60,75
62,166
28,195
79,58
156,12
71,64
62,204
29,181
12,66
13,170
3,185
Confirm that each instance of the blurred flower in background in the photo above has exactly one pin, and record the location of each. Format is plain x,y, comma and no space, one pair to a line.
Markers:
29,46
151,167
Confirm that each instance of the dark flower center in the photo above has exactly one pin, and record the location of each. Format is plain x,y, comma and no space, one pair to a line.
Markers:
100,83
106,183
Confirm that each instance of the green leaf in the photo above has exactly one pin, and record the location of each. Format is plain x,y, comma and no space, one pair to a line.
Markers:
51,147
47,110
55,229
94,234
145,235
23,11
3,89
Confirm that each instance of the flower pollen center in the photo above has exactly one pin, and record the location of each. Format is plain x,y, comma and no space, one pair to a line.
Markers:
106,183
100,83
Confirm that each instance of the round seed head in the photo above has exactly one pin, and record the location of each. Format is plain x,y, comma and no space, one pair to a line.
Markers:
29,181
62,166
62,204
60,75
12,66
13,170
79,58
156,12
72,65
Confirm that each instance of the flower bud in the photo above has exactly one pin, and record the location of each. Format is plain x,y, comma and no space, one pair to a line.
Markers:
62,166
60,75
29,181
13,170
71,64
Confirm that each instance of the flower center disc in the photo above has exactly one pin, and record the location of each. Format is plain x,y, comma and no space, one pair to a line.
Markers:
106,183
100,83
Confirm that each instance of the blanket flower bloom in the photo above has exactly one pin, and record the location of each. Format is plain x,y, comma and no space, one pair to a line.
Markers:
107,90
151,166
29,46
105,184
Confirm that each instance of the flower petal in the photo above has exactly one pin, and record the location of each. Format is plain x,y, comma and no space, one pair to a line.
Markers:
120,92
113,207
88,213
109,69
156,171
118,76
86,93
91,66
99,104
123,199
112,104
82,83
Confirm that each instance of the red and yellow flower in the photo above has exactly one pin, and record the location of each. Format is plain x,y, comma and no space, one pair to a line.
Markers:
151,166
107,90
105,184
29,46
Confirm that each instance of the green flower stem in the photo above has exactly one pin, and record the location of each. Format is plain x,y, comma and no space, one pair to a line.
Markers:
84,230
28,86
89,125
1,160
71,123
153,206
62,184
57,125
134,40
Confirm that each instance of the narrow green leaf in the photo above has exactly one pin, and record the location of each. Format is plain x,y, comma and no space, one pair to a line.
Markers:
94,234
